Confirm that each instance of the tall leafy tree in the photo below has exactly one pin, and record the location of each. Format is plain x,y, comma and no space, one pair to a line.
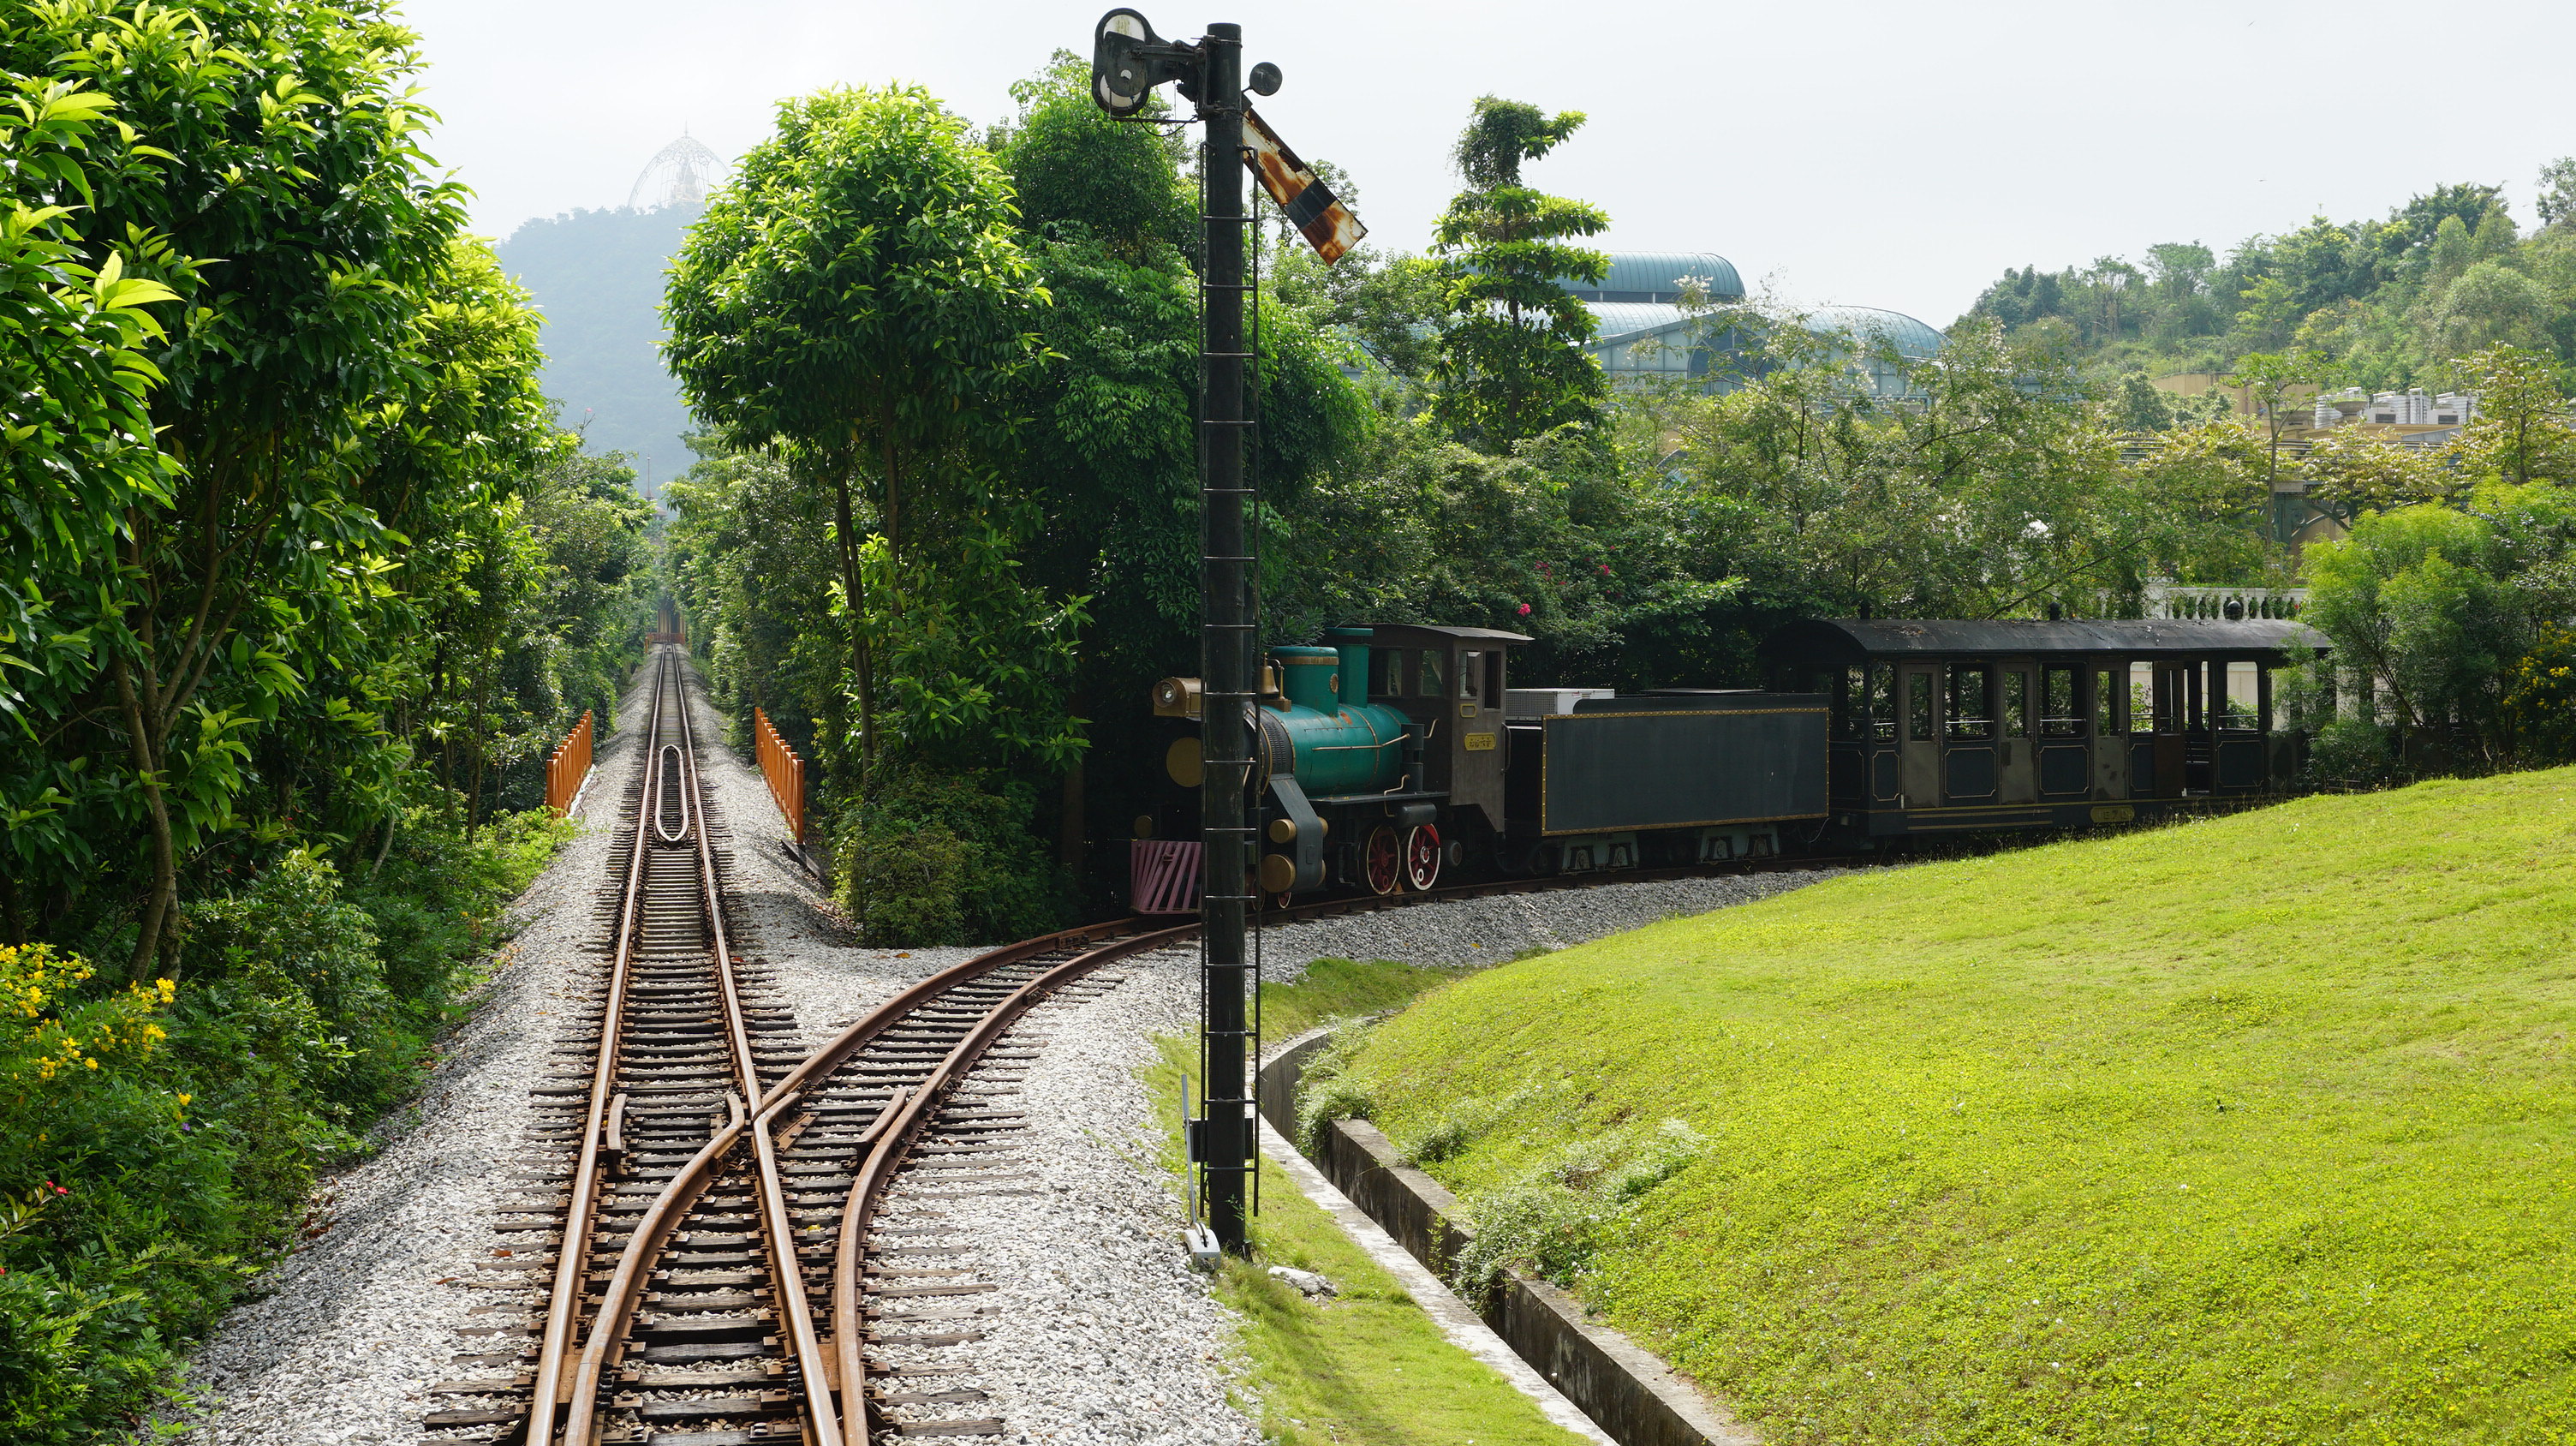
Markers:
1109,218
281,198
855,297
1512,363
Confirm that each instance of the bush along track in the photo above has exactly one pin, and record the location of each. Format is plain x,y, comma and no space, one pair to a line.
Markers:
2242,1130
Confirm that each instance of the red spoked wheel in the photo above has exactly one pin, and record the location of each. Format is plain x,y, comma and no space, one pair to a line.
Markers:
1382,861
1422,858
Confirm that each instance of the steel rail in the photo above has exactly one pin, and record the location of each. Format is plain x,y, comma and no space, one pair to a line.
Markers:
886,1153
572,1254
786,1271
672,1203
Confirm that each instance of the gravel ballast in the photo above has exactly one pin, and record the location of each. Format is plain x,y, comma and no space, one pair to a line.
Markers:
1099,1332
1462,932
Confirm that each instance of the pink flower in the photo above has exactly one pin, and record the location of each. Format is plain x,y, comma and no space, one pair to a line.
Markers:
1524,609
1605,569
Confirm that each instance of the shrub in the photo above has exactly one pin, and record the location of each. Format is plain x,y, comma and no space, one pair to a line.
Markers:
1553,1221
1327,1091
937,858
101,1180
303,963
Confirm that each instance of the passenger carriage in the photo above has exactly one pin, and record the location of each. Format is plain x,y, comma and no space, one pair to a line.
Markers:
1957,727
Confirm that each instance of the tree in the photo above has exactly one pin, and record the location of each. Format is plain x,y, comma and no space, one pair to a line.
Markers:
854,296
281,199
2523,430
2269,380
1512,363
2491,304
2112,278
2557,199
2434,607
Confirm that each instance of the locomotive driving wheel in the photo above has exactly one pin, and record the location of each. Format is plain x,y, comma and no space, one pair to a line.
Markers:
1382,861
1422,857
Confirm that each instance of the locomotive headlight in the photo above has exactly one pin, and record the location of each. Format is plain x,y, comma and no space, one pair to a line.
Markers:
1176,698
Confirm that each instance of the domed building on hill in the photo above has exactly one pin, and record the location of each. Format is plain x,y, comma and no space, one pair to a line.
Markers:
1653,313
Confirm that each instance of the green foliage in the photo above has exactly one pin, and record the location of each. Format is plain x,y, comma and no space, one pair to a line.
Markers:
855,300
1326,1091
2387,304
2088,1143
1511,360
290,584
185,1117
1569,1204
2539,706
943,858
2436,611
1076,174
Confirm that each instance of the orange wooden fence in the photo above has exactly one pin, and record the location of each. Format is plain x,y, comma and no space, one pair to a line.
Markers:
568,766
784,770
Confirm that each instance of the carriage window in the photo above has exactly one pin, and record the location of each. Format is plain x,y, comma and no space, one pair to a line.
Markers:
1918,707
1851,703
1882,704
1970,686
2016,704
2244,696
2106,703
2057,715
2142,697
1494,678
1382,673
1470,673
1428,682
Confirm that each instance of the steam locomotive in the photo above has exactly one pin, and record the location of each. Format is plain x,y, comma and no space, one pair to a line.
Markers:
1396,754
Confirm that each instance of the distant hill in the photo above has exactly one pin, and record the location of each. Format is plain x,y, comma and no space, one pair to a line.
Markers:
597,276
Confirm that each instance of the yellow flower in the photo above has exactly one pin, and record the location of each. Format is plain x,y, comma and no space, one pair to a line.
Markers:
93,1064
169,989
183,1100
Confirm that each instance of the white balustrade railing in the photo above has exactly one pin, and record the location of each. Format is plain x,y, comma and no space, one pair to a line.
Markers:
2166,598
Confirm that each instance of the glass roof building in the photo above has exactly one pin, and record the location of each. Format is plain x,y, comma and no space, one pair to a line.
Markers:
1647,332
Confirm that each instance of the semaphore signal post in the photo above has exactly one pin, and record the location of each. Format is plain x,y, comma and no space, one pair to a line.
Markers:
1128,62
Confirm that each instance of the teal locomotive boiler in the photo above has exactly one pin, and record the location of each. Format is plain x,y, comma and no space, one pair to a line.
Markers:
1365,752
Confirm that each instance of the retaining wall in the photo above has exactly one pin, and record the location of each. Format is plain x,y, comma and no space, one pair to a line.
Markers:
1630,1394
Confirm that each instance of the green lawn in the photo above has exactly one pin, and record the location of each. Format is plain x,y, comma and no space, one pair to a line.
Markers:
1365,1367
2251,1130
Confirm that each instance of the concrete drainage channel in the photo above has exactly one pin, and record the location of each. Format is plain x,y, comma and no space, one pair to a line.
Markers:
1629,1394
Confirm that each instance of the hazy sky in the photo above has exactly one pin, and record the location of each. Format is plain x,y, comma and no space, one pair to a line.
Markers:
1895,155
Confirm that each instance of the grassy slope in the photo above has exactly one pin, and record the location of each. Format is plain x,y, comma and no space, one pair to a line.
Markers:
2254,1129
1367,1367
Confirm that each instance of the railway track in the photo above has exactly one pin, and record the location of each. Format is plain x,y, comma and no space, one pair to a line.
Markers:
728,1241
724,1240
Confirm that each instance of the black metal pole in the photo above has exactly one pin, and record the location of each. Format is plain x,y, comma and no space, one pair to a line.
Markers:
1225,649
